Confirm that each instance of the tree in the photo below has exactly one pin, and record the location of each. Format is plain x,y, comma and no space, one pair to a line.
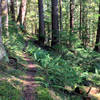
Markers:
22,12
97,46
2,50
71,15
41,22
0,22
17,8
80,19
55,26
71,21
12,10
60,4
5,14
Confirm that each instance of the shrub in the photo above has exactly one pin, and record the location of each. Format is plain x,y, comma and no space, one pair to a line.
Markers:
55,70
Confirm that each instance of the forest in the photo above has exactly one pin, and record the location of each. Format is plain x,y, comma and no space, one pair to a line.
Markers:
49,49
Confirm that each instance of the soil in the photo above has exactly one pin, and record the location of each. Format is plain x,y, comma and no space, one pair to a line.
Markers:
29,83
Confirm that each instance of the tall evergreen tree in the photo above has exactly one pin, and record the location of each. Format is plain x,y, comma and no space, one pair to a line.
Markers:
41,22
2,50
60,5
71,21
55,26
97,47
22,12
71,15
0,22
12,10
17,8
5,14
80,19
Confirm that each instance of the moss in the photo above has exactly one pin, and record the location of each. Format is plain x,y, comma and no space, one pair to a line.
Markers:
43,94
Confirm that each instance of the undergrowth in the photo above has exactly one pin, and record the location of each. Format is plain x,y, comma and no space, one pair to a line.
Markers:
43,94
58,69
9,92
9,84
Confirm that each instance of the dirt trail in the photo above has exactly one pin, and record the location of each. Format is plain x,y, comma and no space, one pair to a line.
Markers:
29,82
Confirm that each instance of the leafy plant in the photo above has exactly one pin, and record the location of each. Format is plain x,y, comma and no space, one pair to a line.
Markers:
8,92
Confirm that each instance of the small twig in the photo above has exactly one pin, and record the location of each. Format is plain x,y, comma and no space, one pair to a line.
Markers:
89,90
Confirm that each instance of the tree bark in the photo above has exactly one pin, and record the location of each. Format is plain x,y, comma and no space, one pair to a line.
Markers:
71,23
0,23
55,26
22,12
97,47
41,22
5,14
12,10
17,8
80,34
71,15
61,25
3,56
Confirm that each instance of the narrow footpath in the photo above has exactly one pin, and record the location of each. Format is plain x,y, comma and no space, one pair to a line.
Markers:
29,92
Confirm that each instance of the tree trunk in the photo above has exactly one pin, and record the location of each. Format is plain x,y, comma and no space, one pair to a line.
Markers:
55,26
17,8
3,56
41,22
5,14
61,25
12,10
36,30
22,12
71,15
71,23
0,22
80,34
97,47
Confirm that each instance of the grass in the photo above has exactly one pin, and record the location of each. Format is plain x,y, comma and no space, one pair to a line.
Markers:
9,92
10,82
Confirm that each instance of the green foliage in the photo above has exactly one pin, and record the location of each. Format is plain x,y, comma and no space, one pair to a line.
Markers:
55,70
43,94
15,40
68,69
8,92
15,72
71,63
3,66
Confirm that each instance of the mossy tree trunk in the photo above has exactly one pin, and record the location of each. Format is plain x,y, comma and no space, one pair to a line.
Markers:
3,56
4,4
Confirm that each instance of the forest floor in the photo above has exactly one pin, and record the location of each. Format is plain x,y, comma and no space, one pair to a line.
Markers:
29,82
20,76
28,79
30,85
26,73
